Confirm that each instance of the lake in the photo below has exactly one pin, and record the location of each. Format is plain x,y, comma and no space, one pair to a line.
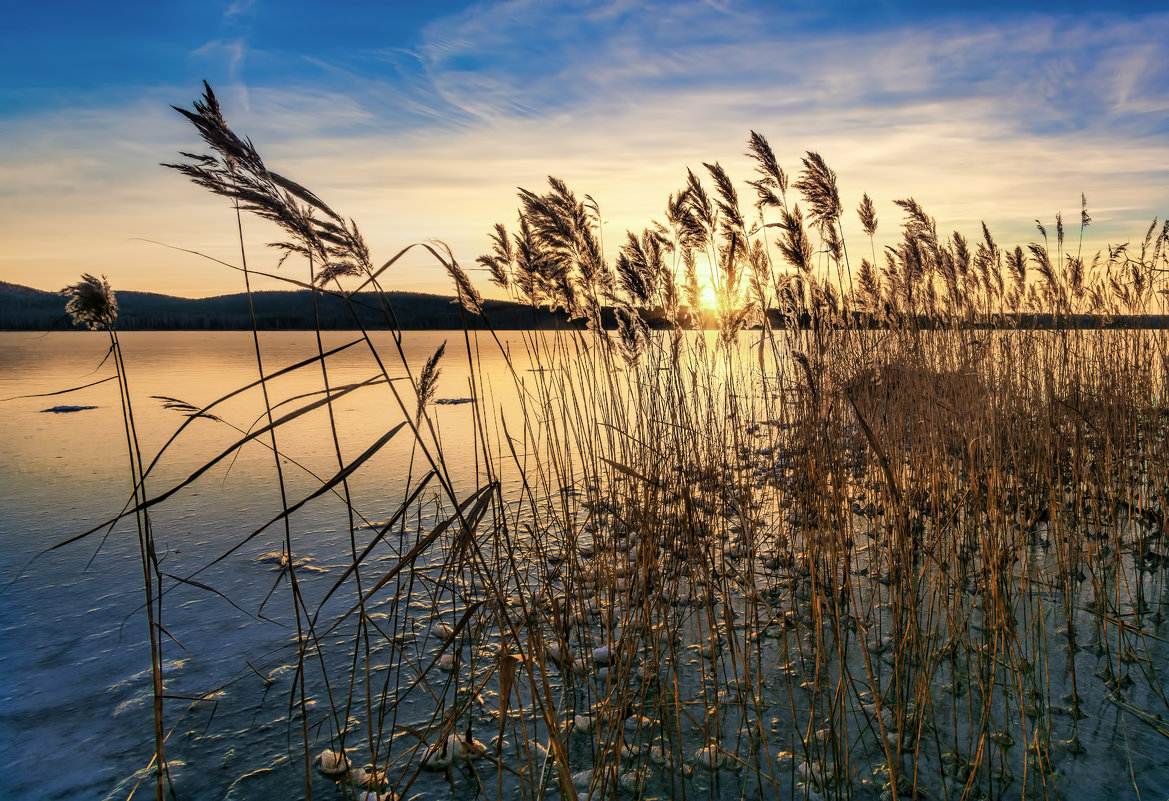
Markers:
73,655
756,680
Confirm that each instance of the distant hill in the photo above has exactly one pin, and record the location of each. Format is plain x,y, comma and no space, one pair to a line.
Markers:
23,308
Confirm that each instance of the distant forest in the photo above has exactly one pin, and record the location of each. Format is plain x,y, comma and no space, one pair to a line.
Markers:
26,309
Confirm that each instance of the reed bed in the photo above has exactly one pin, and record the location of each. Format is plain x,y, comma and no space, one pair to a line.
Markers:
874,536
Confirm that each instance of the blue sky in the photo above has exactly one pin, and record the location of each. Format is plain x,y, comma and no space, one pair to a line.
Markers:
419,120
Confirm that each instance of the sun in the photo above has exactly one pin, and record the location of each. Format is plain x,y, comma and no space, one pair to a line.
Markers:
707,298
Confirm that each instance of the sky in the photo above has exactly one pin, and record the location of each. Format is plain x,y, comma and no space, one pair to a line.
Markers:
420,120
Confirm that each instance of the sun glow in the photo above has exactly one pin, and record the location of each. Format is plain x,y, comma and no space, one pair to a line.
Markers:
708,298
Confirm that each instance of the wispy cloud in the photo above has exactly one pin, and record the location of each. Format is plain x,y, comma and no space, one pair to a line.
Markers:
237,9
227,57
1060,69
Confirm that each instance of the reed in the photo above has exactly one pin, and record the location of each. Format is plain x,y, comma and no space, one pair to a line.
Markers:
877,536
93,305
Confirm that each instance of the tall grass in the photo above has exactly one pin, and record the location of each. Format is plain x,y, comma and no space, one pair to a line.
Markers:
877,535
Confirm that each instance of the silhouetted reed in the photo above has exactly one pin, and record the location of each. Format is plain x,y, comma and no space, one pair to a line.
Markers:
92,303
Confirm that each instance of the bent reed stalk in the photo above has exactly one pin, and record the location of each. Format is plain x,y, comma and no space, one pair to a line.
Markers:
878,535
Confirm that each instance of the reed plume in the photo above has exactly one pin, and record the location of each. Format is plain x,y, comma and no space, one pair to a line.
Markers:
868,215
817,183
428,380
772,177
91,303
238,172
